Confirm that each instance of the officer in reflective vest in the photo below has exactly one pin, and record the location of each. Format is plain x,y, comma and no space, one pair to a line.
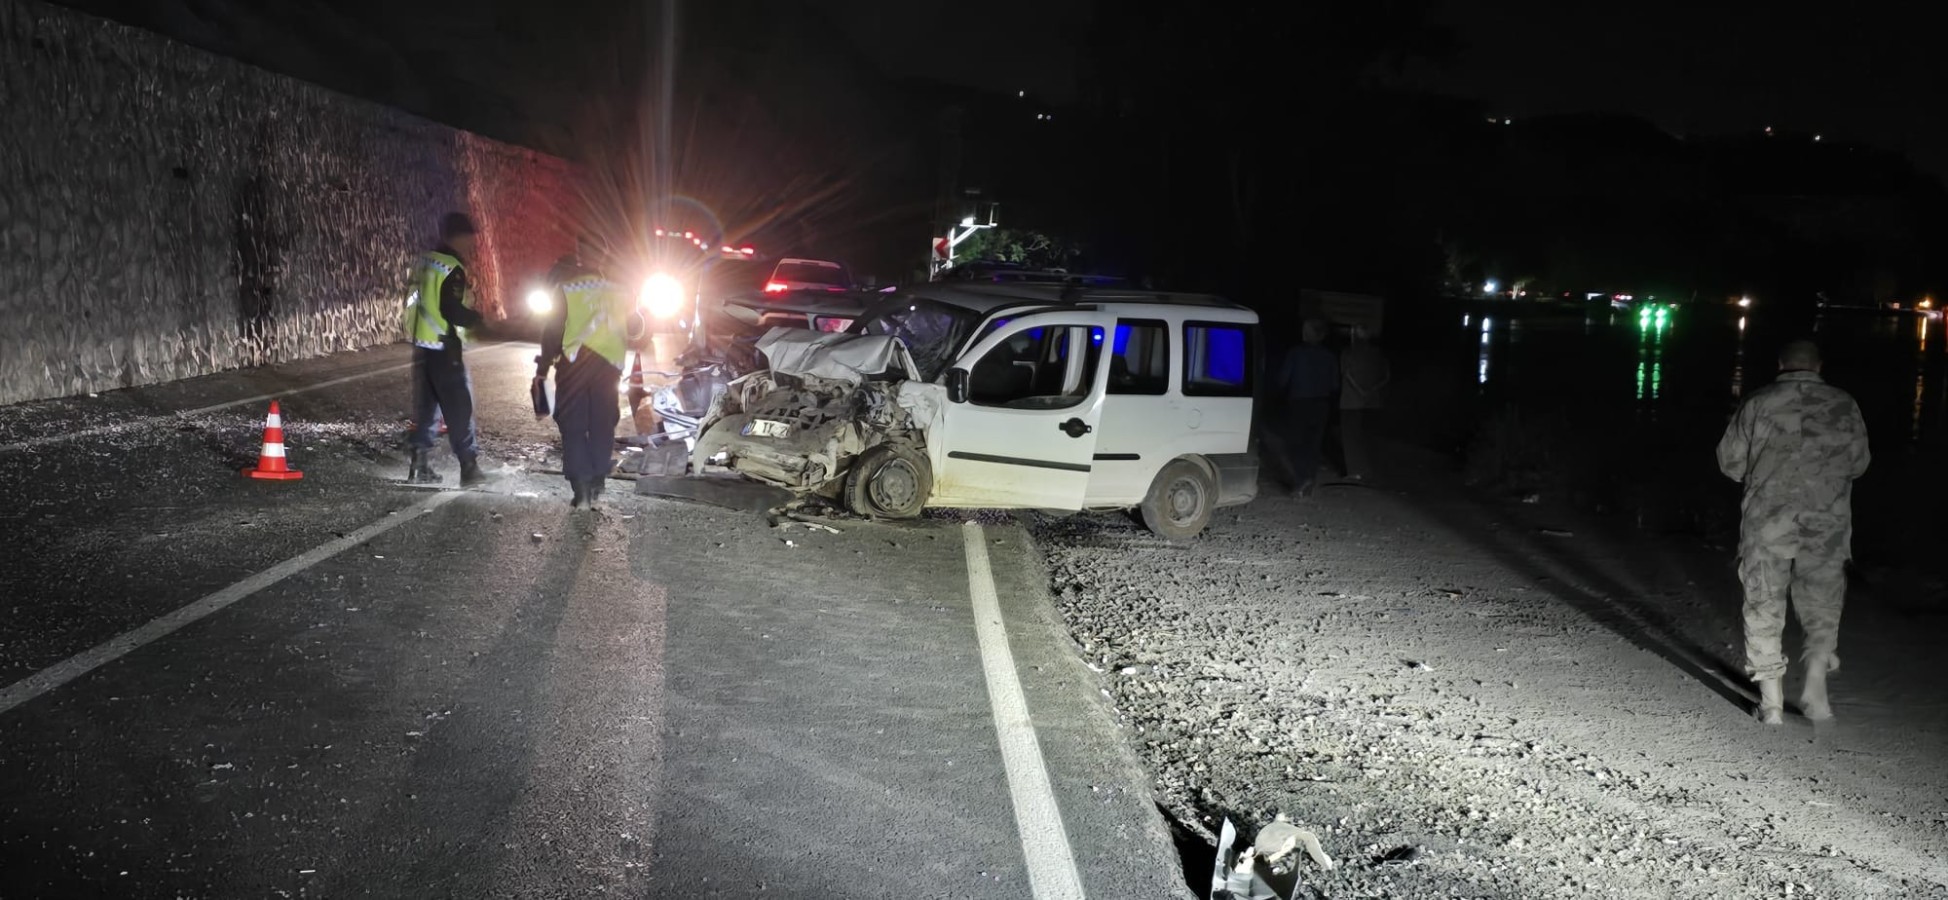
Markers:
586,341
438,305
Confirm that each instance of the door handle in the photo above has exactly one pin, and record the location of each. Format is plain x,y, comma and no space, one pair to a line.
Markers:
1076,428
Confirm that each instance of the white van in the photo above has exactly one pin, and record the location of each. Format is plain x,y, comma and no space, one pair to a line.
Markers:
1007,396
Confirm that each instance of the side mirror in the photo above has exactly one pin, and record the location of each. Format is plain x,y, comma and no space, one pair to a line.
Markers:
957,385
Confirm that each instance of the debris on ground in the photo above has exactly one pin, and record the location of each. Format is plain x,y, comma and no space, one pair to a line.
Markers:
1235,875
1280,839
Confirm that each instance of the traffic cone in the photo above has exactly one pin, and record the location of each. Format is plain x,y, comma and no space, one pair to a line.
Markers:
270,463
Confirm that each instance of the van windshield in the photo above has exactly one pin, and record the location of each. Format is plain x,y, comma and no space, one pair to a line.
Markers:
933,332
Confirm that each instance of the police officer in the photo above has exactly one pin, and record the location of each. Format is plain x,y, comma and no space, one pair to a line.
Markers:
586,340
1797,444
439,305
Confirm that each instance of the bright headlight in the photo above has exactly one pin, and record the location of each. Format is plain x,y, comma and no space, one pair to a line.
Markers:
662,296
540,301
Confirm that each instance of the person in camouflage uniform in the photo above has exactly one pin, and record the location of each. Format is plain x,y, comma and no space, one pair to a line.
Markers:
1797,445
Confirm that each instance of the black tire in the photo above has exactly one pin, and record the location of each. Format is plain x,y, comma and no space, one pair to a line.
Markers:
1180,502
889,481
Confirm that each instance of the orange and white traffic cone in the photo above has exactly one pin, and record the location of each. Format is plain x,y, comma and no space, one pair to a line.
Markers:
270,463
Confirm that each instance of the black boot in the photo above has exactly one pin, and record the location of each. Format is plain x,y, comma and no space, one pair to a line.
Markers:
470,473
581,495
595,486
420,470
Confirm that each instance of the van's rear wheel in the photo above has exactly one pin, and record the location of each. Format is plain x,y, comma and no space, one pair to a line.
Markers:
890,481
1180,501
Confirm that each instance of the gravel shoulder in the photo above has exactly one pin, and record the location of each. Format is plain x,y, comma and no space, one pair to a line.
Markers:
1520,701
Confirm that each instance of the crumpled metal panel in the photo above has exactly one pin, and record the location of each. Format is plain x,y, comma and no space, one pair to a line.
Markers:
847,358
166,213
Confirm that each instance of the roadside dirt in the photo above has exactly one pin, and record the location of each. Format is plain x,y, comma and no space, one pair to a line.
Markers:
1470,699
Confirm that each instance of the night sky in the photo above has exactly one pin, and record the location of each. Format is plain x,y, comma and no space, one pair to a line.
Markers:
1001,45
1865,72
1868,72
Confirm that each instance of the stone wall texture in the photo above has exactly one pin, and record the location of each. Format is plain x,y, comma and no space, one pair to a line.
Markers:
166,213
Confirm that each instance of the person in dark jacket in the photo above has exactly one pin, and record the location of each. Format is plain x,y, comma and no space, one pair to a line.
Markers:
1303,389
439,305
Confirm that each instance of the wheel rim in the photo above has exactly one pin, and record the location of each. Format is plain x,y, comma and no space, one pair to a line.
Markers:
895,486
1184,501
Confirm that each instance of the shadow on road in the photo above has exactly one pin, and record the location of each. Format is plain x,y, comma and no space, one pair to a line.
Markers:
1608,586
475,765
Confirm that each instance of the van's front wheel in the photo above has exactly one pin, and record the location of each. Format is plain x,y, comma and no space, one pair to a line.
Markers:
1180,501
889,481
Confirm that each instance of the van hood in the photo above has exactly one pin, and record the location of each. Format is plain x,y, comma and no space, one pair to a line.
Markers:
848,358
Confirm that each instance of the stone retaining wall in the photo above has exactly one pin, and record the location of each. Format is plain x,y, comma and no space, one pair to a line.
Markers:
167,213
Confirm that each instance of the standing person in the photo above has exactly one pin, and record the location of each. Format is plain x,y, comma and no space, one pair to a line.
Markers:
586,341
1364,374
1306,380
440,305
1797,444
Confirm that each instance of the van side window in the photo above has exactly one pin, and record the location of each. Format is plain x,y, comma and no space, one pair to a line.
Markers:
1217,360
1140,360
1041,368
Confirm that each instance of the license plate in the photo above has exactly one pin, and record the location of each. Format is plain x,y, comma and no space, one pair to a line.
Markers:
767,428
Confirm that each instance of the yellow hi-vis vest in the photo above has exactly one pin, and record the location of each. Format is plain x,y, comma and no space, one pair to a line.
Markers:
425,324
598,312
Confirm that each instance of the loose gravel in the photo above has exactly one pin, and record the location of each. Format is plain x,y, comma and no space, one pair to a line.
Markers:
1465,704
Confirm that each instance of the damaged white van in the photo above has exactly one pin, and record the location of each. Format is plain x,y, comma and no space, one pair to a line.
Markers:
1006,396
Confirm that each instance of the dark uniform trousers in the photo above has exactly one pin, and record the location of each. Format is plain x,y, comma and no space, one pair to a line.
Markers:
443,389
587,408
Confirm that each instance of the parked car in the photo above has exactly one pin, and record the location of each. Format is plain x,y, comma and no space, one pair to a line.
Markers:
808,275
990,396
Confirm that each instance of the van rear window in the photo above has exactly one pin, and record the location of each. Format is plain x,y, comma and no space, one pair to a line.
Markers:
1217,360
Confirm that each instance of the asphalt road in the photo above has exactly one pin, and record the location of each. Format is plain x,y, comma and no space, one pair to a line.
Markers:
215,687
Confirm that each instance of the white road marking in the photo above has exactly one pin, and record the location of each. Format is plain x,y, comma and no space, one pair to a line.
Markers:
1052,873
97,431
121,645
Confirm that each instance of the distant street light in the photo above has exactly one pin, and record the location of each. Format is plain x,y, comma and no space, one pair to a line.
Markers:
1488,287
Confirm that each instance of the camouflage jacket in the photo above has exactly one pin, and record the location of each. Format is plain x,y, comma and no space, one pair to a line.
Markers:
1797,444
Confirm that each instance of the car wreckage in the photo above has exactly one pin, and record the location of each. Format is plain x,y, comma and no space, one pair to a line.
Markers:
989,396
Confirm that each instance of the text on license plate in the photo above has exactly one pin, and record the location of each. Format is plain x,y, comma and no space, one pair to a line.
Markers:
767,428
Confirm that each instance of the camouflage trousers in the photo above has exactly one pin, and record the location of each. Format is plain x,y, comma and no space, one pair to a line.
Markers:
1817,588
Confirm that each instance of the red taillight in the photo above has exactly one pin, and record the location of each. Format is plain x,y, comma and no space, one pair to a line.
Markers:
775,287
749,251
